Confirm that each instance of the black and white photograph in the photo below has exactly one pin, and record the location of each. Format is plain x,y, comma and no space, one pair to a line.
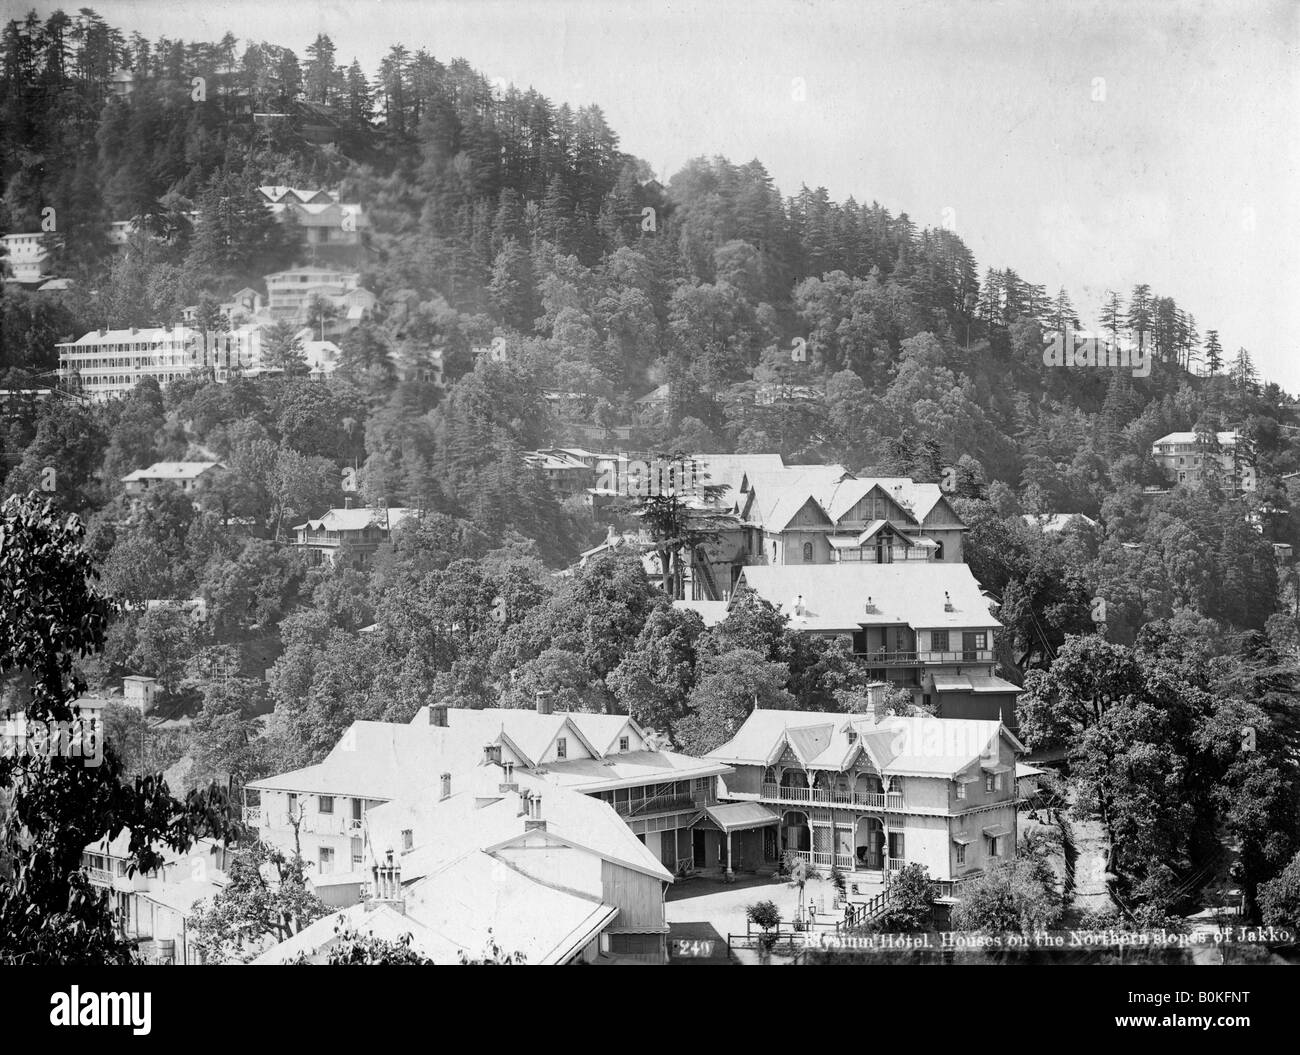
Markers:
538,482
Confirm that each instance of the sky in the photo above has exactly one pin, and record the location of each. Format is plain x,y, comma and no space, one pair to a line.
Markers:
1091,144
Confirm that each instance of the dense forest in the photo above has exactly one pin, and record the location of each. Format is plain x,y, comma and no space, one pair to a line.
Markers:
498,218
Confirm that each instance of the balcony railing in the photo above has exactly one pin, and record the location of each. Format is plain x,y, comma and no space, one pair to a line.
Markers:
835,797
100,875
881,658
253,816
847,862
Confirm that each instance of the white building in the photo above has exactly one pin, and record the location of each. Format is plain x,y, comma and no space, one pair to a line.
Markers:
497,855
1184,457
325,221
290,293
24,256
107,364
182,476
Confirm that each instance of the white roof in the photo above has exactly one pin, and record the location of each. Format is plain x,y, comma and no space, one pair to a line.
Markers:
170,471
923,746
139,336
357,519
386,760
1055,522
1226,439
479,816
834,596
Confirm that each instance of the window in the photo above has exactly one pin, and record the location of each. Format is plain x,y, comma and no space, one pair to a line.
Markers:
326,803
961,790
992,845
990,782
961,854
852,735
408,838
703,785
562,747
623,743
807,552
939,640
326,860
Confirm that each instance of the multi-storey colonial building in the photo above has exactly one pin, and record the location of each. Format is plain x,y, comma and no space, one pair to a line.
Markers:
869,795
659,794
349,536
326,222
927,627
290,294
1189,459
24,256
106,364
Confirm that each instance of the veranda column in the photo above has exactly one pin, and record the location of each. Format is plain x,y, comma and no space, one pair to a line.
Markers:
730,876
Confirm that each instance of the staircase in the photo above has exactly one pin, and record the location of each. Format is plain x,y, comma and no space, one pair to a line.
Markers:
700,564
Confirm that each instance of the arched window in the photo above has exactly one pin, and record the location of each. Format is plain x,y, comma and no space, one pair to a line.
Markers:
807,552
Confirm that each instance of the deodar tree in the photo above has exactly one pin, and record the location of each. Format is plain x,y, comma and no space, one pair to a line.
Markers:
51,614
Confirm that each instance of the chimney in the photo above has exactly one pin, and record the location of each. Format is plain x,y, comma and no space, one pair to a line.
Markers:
438,715
871,605
544,705
103,333
388,885
347,502
534,823
508,776
524,796
446,786
876,697
491,754
947,602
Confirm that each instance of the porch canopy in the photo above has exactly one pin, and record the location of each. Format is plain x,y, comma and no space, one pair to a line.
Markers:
996,831
739,816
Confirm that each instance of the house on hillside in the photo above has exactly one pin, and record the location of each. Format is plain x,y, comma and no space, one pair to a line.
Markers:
869,795
522,827
659,794
926,627
349,536
185,477
1189,459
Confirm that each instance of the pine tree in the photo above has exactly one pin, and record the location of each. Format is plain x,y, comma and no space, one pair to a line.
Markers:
1112,313
1140,314
1213,353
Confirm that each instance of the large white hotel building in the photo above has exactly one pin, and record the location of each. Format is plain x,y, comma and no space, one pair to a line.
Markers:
109,363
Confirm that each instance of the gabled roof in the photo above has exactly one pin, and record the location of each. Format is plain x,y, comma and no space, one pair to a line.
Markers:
170,471
1226,439
628,768
910,593
923,746
918,498
357,519
373,760
479,816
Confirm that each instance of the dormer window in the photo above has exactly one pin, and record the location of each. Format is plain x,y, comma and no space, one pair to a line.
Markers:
852,734
624,743
562,747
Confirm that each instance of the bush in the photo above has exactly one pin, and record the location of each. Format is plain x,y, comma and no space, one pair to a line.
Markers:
763,914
